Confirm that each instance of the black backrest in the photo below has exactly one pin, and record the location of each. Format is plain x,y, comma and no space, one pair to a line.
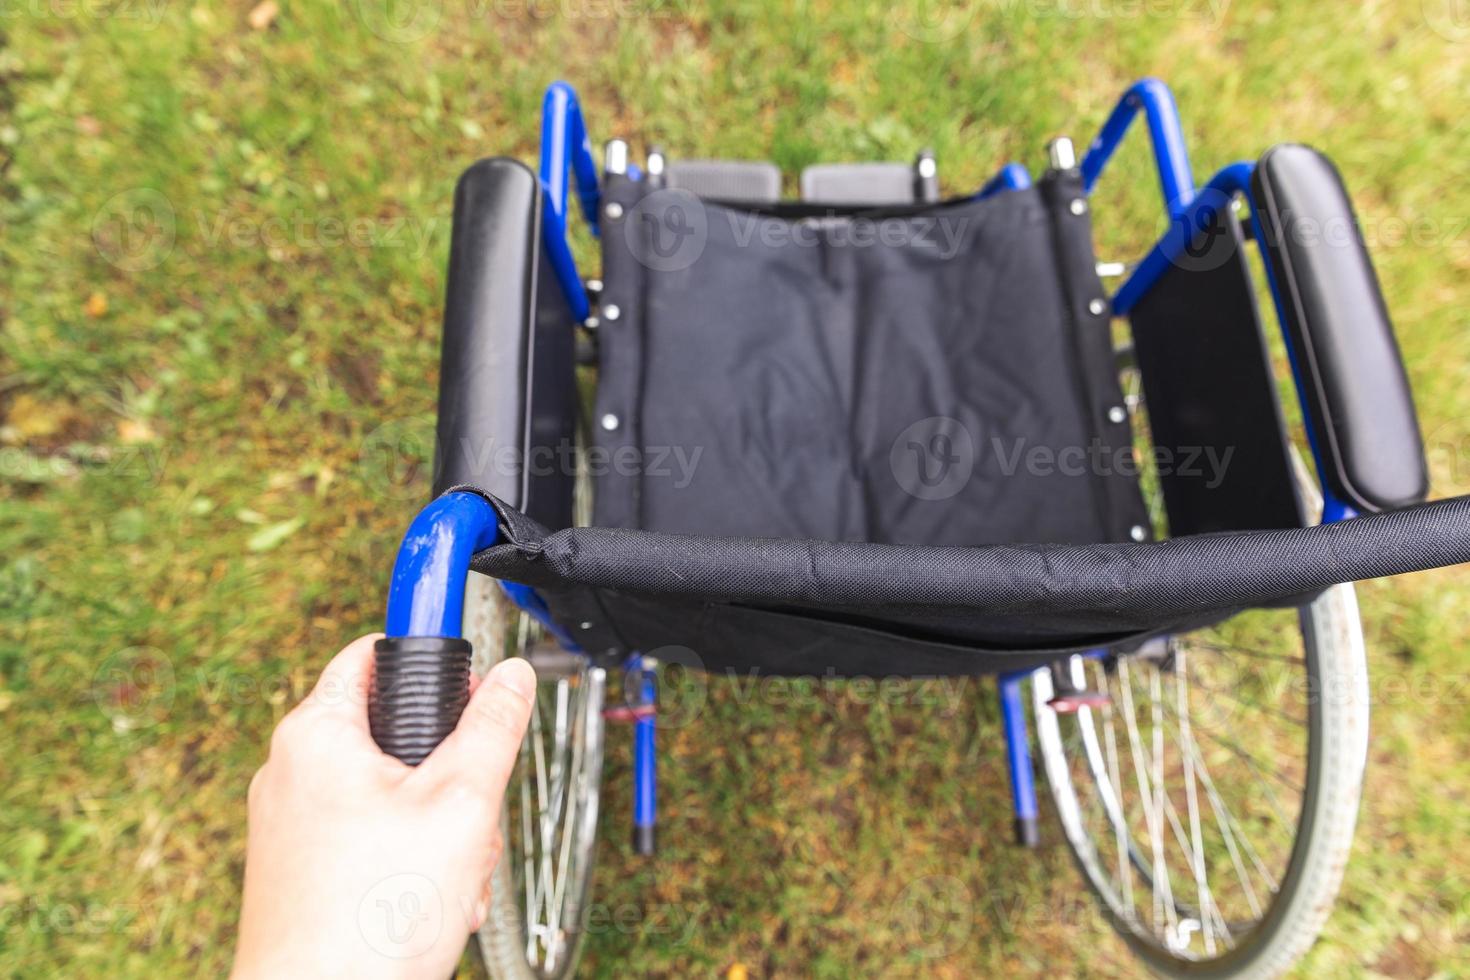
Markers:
938,374
1214,418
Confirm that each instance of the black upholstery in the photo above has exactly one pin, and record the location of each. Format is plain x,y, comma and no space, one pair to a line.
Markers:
507,391
1213,413
823,607
1356,393
931,375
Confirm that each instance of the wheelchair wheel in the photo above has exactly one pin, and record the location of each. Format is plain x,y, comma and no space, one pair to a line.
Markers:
542,884
1211,800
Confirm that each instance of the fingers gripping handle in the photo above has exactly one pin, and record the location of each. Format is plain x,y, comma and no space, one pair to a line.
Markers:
420,687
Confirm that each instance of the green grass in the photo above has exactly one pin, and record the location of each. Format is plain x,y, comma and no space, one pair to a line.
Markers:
223,259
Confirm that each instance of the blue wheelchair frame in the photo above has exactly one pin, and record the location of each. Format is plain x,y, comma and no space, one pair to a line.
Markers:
426,595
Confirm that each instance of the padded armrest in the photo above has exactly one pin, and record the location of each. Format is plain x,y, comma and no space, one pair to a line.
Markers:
1357,396
507,391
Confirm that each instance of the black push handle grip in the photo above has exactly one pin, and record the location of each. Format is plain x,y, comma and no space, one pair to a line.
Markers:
420,687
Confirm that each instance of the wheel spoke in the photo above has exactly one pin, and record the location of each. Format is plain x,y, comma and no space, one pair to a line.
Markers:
1179,800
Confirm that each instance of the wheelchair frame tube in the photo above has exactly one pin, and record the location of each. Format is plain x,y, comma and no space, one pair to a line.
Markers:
1011,177
566,153
1171,157
645,760
1018,757
426,594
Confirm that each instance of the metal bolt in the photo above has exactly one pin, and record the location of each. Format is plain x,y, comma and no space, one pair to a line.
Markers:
592,323
1097,307
611,312
610,422
1061,153
613,211
928,168
615,157
1137,533
586,624
594,285
1117,414
1077,206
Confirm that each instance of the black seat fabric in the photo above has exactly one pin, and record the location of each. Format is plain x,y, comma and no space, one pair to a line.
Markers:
925,375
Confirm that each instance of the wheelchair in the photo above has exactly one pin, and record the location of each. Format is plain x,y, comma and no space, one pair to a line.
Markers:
876,432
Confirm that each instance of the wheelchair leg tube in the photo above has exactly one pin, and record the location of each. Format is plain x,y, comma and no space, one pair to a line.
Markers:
1018,756
421,669
645,765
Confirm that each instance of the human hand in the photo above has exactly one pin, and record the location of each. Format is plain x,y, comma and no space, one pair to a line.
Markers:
358,865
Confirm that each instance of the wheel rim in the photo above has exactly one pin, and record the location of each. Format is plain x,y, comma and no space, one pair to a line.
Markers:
1208,761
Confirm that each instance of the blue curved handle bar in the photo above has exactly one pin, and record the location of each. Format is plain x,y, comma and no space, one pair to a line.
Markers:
426,595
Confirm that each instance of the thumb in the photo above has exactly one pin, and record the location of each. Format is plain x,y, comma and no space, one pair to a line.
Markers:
482,749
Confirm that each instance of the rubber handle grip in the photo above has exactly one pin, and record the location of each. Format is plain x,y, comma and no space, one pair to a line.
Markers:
420,687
